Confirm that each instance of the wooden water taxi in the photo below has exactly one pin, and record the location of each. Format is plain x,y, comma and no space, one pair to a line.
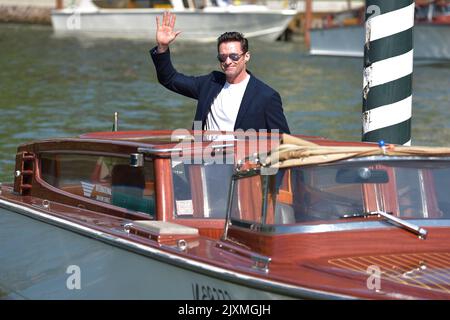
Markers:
158,215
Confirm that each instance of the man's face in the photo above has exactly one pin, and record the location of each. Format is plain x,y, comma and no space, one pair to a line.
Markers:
234,70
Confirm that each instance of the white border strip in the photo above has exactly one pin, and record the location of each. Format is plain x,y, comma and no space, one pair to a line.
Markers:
390,23
388,70
387,115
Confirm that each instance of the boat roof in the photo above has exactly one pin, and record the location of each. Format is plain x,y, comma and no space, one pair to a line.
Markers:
165,138
161,142
284,150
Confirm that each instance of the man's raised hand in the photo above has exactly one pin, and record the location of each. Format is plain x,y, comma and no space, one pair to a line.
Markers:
165,33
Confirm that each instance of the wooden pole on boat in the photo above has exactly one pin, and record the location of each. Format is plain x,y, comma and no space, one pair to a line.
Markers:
59,4
388,67
308,20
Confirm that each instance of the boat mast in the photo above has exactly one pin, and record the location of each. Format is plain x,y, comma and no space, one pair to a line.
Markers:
388,67
308,19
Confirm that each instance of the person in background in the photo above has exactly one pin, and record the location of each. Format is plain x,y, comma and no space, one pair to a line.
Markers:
228,100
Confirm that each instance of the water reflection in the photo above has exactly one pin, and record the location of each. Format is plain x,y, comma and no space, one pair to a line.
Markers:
54,87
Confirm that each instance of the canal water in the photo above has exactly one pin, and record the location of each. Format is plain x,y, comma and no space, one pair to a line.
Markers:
59,87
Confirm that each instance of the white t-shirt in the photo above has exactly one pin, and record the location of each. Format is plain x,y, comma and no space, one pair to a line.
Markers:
225,107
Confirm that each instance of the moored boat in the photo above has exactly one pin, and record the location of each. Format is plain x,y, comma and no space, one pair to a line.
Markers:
162,215
197,24
343,34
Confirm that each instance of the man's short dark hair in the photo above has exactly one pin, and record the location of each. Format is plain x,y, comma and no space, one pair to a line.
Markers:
233,36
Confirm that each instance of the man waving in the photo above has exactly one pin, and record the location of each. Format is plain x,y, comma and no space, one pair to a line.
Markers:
229,100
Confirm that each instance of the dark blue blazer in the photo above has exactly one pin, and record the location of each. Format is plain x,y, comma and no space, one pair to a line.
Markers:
260,107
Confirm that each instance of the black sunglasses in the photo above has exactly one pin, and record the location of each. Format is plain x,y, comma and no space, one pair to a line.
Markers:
233,56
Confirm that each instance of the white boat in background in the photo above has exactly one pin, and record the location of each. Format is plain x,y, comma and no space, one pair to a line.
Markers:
430,41
202,25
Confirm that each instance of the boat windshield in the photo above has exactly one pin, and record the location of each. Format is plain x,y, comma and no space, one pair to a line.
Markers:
201,190
407,189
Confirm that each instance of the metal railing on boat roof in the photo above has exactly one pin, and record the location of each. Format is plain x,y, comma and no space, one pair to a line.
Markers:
156,150
201,137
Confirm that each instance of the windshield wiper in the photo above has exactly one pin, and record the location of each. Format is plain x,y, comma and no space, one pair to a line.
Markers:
420,232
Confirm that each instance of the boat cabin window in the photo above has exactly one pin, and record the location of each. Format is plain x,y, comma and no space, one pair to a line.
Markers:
201,190
407,189
105,179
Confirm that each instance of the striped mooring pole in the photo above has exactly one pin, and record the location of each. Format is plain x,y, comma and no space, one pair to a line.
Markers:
388,67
